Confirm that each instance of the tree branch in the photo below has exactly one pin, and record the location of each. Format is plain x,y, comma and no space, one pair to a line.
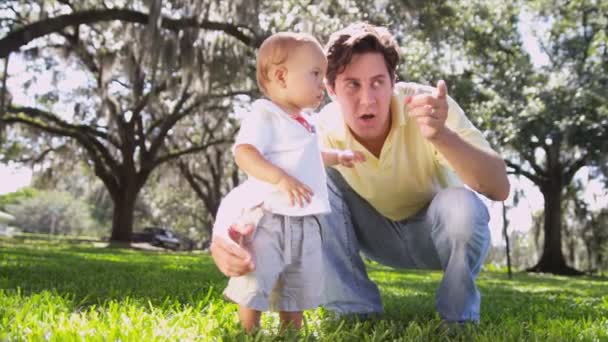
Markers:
528,157
193,180
22,36
519,171
191,150
138,120
38,113
36,159
67,3
168,122
3,93
574,167
81,51
83,134
89,146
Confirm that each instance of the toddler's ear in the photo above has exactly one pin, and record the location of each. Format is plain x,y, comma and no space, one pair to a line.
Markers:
280,76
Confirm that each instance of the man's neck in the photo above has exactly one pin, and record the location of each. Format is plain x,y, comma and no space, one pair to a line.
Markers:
374,146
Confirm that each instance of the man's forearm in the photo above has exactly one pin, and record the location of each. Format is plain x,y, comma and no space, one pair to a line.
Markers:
483,171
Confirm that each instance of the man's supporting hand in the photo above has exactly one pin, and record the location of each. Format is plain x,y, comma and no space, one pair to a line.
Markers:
233,259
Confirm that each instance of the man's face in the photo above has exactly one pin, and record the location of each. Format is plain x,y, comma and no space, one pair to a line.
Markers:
364,91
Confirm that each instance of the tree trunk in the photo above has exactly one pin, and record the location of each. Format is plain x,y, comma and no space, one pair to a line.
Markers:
505,225
122,216
572,250
552,260
3,96
590,266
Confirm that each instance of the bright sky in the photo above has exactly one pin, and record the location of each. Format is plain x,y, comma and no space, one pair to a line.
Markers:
12,178
520,217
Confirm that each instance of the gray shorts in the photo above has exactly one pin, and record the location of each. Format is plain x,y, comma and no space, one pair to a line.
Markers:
289,266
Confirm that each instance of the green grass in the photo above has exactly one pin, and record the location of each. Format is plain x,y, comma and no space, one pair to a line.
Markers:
65,291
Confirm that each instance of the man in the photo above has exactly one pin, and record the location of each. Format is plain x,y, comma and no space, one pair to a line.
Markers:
406,205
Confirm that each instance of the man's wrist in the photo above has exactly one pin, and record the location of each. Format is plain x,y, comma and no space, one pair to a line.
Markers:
445,137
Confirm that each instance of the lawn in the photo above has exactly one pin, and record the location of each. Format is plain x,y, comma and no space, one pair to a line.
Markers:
62,291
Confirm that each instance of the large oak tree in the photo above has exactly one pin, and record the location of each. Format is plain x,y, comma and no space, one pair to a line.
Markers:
147,72
551,118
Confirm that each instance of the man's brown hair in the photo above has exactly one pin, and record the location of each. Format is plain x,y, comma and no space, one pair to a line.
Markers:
275,51
359,38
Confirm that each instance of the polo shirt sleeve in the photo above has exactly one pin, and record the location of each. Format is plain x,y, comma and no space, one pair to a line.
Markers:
458,122
324,139
256,130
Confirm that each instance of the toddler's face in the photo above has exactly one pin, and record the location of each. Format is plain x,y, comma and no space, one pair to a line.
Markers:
306,69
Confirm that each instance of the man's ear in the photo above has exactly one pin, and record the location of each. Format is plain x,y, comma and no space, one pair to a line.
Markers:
280,76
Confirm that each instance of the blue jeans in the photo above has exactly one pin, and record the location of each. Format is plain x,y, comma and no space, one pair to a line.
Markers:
450,234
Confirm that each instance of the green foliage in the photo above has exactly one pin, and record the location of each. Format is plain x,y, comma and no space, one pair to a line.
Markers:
559,103
548,118
16,197
52,212
60,291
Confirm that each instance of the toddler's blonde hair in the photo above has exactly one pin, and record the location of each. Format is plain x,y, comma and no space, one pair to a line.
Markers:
275,51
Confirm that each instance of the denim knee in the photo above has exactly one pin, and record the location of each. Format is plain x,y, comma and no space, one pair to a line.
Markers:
460,214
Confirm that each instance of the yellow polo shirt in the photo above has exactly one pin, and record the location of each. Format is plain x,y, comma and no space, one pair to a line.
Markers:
409,171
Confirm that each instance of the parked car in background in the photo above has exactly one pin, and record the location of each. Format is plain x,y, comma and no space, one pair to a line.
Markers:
162,237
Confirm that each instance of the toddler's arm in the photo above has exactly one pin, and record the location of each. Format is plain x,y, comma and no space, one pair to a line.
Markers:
250,160
345,158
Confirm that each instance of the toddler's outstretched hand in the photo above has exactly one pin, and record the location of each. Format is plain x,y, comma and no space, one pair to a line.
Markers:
297,191
348,158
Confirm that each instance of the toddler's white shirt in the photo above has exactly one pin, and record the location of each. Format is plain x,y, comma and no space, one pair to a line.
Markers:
286,144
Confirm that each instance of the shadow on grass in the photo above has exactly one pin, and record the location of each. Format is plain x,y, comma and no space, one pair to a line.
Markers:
410,295
89,275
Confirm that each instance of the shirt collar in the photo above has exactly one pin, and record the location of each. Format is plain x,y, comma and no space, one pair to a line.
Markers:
267,106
